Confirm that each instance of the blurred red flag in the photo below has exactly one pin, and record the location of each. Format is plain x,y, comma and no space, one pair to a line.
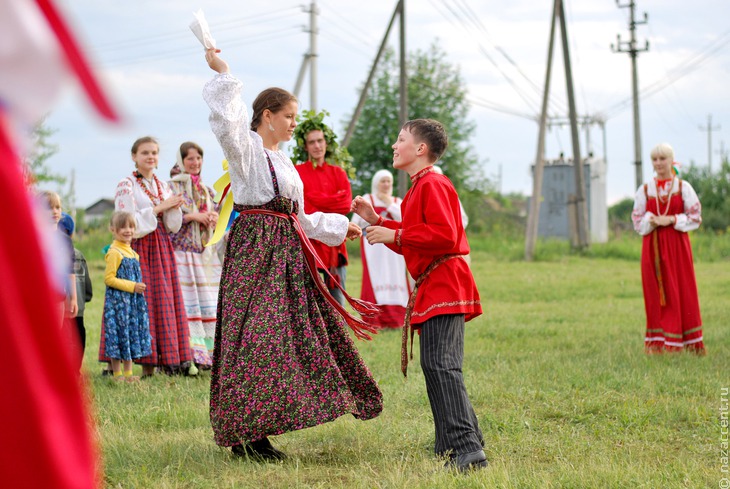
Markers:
47,440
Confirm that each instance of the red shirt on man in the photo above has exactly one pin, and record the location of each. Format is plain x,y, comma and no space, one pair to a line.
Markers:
326,189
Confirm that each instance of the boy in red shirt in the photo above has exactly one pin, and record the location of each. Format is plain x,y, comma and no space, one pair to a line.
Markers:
431,238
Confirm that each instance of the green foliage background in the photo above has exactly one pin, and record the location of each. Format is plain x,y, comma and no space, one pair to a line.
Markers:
435,90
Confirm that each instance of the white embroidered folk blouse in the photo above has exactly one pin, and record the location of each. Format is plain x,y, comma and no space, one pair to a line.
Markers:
130,197
250,176
689,220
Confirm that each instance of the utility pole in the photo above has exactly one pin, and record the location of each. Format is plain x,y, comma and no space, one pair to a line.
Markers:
630,47
534,213
722,152
709,130
369,81
310,58
403,178
581,206
399,11
579,225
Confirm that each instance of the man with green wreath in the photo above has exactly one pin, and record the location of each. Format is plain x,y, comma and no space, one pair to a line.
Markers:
326,188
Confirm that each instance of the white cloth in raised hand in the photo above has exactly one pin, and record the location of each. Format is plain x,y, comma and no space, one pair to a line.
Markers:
200,28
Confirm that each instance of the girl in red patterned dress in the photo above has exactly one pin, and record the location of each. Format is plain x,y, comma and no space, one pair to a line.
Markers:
665,210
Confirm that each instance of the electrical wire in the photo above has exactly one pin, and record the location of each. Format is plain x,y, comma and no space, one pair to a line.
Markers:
178,34
353,31
688,66
193,49
530,103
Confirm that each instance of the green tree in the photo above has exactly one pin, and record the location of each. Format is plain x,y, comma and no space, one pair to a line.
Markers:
41,150
713,190
436,91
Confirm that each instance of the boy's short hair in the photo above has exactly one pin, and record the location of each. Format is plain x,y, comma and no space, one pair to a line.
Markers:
121,218
431,132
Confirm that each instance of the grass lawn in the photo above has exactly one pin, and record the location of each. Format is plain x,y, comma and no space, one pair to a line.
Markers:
555,369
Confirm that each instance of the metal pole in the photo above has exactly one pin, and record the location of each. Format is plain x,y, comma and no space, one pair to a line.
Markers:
366,87
313,56
403,179
633,52
639,171
580,191
300,76
709,130
533,215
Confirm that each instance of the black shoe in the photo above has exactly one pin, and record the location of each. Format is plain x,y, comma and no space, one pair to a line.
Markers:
259,449
467,461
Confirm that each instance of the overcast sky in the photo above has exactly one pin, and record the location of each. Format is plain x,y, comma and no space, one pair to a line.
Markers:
154,66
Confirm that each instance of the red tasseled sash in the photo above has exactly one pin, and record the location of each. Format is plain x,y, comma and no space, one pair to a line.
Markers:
366,309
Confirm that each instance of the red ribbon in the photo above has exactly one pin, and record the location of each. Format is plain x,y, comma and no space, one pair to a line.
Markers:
366,309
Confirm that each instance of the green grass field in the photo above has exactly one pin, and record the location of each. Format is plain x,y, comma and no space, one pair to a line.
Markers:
555,368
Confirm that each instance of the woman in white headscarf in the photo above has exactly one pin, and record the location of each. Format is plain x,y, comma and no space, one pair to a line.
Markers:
198,266
384,275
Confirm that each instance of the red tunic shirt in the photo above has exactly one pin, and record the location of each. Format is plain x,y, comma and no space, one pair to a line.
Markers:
431,227
326,189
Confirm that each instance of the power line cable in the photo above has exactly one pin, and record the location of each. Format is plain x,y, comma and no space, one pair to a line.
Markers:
688,66
341,41
355,30
183,33
476,20
195,49
530,103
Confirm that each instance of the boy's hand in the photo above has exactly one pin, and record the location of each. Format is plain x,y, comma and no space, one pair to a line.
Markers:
139,288
353,231
364,209
73,308
380,234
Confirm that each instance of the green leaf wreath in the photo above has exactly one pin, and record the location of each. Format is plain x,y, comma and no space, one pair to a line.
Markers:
309,121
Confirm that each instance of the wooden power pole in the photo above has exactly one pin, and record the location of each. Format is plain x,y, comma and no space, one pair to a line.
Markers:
403,113
579,224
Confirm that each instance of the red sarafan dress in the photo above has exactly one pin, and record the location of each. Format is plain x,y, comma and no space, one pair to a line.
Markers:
673,321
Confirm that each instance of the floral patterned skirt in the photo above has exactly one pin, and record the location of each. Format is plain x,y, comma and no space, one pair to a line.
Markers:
283,357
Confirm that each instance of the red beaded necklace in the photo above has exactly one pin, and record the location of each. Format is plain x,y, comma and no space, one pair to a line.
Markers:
156,199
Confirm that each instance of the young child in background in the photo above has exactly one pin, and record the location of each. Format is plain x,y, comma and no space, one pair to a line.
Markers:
68,306
126,331
84,291
431,239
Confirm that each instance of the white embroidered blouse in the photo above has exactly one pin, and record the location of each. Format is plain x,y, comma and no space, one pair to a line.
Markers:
689,220
250,176
130,197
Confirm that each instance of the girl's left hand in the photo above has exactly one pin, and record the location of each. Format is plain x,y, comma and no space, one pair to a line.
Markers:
353,231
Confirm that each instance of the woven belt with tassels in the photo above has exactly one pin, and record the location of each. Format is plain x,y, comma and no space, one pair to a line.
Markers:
361,327
409,311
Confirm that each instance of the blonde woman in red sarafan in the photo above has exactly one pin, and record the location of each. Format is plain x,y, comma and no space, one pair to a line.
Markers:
665,210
